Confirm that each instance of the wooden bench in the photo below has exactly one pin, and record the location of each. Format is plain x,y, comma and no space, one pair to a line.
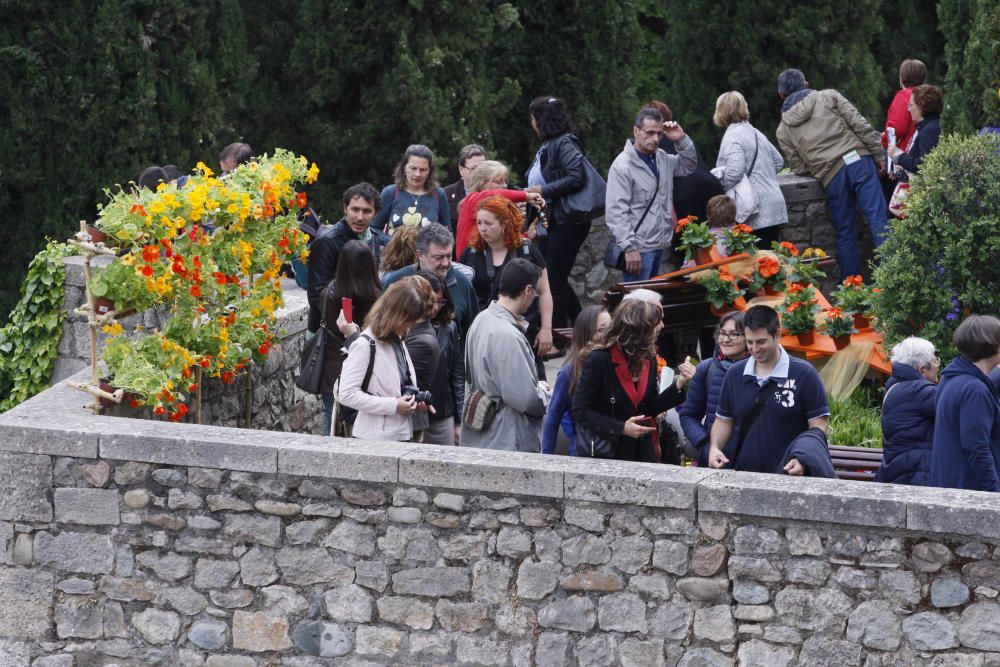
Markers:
858,463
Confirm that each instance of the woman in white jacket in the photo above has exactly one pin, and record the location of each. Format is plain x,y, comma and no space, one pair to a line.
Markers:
746,151
383,411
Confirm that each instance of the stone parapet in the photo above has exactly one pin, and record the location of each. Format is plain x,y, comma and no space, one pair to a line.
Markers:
136,542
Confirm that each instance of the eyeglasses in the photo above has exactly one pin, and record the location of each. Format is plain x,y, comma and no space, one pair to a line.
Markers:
439,258
730,335
649,133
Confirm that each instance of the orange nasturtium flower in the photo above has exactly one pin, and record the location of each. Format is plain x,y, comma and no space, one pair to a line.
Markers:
725,275
853,281
790,247
742,229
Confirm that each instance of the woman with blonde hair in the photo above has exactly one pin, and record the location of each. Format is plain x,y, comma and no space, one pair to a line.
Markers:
617,399
745,151
378,365
489,179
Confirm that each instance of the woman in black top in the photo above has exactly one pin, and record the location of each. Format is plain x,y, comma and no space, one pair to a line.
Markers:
558,170
356,279
495,241
616,397
448,379
925,108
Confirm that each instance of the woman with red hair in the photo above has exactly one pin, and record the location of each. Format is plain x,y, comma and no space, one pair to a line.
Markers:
495,240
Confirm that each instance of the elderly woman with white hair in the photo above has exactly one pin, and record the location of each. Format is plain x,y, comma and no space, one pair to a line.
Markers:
908,413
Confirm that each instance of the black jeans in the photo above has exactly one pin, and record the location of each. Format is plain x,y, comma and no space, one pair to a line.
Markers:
767,235
560,248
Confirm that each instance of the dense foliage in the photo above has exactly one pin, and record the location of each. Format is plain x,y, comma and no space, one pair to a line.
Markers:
90,93
942,261
972,29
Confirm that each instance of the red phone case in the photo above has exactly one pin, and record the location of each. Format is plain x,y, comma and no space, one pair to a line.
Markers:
347,307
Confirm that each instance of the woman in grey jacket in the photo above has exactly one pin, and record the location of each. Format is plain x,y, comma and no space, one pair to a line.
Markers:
745,150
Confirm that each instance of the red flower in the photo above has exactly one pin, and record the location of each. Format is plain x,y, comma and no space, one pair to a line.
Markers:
147,270
193,387
834,312
742,229
725,275
284,242
196,260
158,410
193,234
134,403
195,291
301,200
228,377
853,281
205,363
790,247
150,253
768,267
137,208
264,348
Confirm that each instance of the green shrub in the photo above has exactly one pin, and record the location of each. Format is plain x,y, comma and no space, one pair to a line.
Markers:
942,261
857,421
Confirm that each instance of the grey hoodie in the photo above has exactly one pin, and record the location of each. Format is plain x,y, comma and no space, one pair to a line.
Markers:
631,186
818,131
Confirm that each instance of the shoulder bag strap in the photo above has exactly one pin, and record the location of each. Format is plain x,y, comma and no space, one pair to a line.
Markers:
758,407
651,200
756,150
371,363
888,391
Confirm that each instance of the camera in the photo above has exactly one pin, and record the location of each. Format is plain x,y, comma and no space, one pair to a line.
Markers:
420,395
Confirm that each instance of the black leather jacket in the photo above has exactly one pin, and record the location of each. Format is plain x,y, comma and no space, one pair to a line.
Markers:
448,383
562,167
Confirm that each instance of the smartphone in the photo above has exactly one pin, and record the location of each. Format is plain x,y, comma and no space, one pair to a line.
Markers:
347,308
647,421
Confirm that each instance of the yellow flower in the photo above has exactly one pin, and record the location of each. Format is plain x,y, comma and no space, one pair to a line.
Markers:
157,207
113,329
312,174
204,169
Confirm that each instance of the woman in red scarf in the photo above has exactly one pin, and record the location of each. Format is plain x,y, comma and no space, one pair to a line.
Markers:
617,398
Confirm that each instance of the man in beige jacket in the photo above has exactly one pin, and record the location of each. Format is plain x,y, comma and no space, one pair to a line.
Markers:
824,136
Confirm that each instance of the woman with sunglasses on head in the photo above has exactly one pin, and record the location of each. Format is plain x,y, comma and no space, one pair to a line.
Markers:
617,398
489,179
447,384
698,411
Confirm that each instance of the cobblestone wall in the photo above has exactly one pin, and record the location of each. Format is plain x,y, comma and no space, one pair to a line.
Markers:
125,542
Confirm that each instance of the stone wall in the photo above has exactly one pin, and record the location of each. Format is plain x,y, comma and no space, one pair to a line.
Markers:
129,542
275,403
809,224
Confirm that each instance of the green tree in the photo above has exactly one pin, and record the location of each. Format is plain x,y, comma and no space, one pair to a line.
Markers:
972,32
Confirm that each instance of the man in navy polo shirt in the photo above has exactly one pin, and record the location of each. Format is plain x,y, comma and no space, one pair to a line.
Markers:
792,396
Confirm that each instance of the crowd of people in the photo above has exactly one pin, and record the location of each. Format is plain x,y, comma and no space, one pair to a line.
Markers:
440,302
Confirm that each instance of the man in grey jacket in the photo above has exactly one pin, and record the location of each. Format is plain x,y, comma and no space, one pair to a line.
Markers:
500,362
639,203
824,136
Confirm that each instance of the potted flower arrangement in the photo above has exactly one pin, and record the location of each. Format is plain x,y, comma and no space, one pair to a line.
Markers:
767,278
839,326
740,238
696,239
121,288
854,296
222,288
799,313
721,290
803,268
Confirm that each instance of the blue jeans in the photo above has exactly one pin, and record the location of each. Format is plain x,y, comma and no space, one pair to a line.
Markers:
856,184
651,260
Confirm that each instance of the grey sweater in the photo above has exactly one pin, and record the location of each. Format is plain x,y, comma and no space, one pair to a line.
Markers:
735,157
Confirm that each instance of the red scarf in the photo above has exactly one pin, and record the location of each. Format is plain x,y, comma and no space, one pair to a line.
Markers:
635,391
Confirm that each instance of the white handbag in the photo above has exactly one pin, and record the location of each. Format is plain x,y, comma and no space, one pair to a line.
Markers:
743,194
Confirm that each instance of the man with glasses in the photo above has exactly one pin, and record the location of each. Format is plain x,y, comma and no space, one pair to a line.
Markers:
771,398
639,201
435,244
468,159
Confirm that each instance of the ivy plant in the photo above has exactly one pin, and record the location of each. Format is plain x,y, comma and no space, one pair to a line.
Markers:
29,341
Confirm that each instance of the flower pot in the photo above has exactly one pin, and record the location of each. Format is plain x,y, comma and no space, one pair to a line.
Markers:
840,342
769,290
803,283
703,256
719,312
102,306
861,322
96,235
806,338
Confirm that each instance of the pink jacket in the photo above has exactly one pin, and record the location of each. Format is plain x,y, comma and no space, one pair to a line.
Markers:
377,417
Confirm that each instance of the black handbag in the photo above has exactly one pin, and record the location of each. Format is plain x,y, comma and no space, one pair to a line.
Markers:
587,202
310,377
614,257
590,444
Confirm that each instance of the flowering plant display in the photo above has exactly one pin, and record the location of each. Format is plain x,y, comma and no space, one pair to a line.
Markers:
837,323
799,309
767,272
694,235
740,238
804,267
211,253
854,296
785,249
720,287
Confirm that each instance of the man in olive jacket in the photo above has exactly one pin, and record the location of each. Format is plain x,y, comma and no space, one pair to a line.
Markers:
632,187
824,136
